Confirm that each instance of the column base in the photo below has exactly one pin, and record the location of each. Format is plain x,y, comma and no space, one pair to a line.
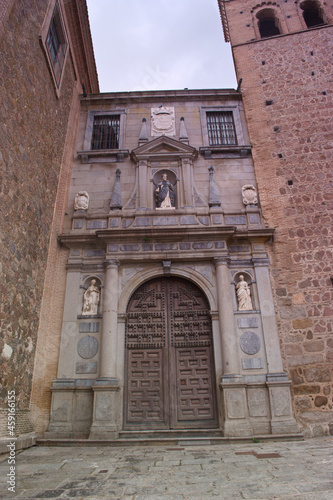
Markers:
282,419
236,415
106,409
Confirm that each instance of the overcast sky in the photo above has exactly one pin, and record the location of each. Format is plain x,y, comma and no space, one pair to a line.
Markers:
160,45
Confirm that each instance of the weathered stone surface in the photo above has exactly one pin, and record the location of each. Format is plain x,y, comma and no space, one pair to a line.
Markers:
317,374
320,401
86,368
252,363
300,324
89,327
303,403
235,220
87,347
97,224
250,322
306,389
250,343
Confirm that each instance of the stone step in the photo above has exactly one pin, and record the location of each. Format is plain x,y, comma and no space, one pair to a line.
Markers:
169,441
171,433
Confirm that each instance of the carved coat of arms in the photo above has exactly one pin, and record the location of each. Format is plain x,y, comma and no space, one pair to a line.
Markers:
163,121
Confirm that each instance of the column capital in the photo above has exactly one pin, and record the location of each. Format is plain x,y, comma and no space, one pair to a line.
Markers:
111,264
264,262
221,261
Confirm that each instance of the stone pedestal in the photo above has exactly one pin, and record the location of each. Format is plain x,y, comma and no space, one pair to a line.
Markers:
106,409
61,409
236,415
282,419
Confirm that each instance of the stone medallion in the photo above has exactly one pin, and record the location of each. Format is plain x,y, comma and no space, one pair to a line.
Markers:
87,347
250,343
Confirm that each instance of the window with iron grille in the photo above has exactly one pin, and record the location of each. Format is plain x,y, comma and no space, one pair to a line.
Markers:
106,132
221,128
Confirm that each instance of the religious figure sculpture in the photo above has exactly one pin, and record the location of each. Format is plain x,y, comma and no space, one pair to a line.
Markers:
91,299
165,195
243,295
81,201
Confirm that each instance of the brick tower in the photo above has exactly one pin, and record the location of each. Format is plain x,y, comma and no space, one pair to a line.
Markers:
283,57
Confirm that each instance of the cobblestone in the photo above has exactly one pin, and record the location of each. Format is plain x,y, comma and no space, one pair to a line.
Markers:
289,471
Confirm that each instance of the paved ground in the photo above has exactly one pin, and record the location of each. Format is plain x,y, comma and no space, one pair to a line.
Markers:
279,471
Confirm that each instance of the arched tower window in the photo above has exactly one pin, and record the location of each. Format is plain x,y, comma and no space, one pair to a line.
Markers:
312,14
268,23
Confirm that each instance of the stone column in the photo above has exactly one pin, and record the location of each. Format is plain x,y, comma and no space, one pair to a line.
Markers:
226,315
272,345
144,185
282,419
236,416
63,388
187,182
108,359
106,387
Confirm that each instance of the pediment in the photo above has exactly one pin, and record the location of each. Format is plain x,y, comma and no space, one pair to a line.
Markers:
162,147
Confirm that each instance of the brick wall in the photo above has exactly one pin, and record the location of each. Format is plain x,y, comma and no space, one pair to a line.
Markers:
34,124
287,92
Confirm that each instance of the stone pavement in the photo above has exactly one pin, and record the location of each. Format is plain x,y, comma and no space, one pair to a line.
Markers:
300,470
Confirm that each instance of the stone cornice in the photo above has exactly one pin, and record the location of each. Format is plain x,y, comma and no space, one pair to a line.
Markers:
163,95
171,234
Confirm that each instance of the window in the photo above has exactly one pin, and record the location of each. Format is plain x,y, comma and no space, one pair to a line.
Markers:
221,128
55,43
105,133
267,28
268,23
312,14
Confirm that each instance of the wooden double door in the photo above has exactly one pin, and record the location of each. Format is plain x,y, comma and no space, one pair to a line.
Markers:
170,375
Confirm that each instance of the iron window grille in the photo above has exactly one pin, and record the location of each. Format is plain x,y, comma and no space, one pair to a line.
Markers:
221,128
106,132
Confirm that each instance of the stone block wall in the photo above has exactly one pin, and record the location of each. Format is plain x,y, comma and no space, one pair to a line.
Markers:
287,93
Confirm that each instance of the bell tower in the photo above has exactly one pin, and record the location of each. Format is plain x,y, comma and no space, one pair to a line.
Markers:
283,54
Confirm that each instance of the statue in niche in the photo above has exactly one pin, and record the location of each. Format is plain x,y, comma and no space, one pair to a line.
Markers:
165,195
81,201
243,295
91,299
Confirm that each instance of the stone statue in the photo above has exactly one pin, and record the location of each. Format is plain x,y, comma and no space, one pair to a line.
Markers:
243,295
91,299
249,195
81,201
165,195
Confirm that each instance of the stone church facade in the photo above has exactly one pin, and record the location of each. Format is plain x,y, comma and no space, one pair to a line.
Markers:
183,279
168,323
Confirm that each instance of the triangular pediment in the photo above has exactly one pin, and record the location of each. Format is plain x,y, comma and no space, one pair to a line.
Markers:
163,146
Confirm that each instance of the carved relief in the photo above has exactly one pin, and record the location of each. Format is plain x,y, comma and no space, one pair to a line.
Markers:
163,121
91,299
249,194
243,295
81,201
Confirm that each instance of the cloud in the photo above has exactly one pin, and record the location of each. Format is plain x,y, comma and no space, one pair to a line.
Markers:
159,44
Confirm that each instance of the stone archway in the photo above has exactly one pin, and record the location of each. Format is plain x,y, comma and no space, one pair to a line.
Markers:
170,378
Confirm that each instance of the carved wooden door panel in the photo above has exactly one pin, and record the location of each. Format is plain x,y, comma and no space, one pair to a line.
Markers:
170,376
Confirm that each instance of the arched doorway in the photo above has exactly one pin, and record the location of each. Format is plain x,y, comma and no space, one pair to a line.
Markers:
169,369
